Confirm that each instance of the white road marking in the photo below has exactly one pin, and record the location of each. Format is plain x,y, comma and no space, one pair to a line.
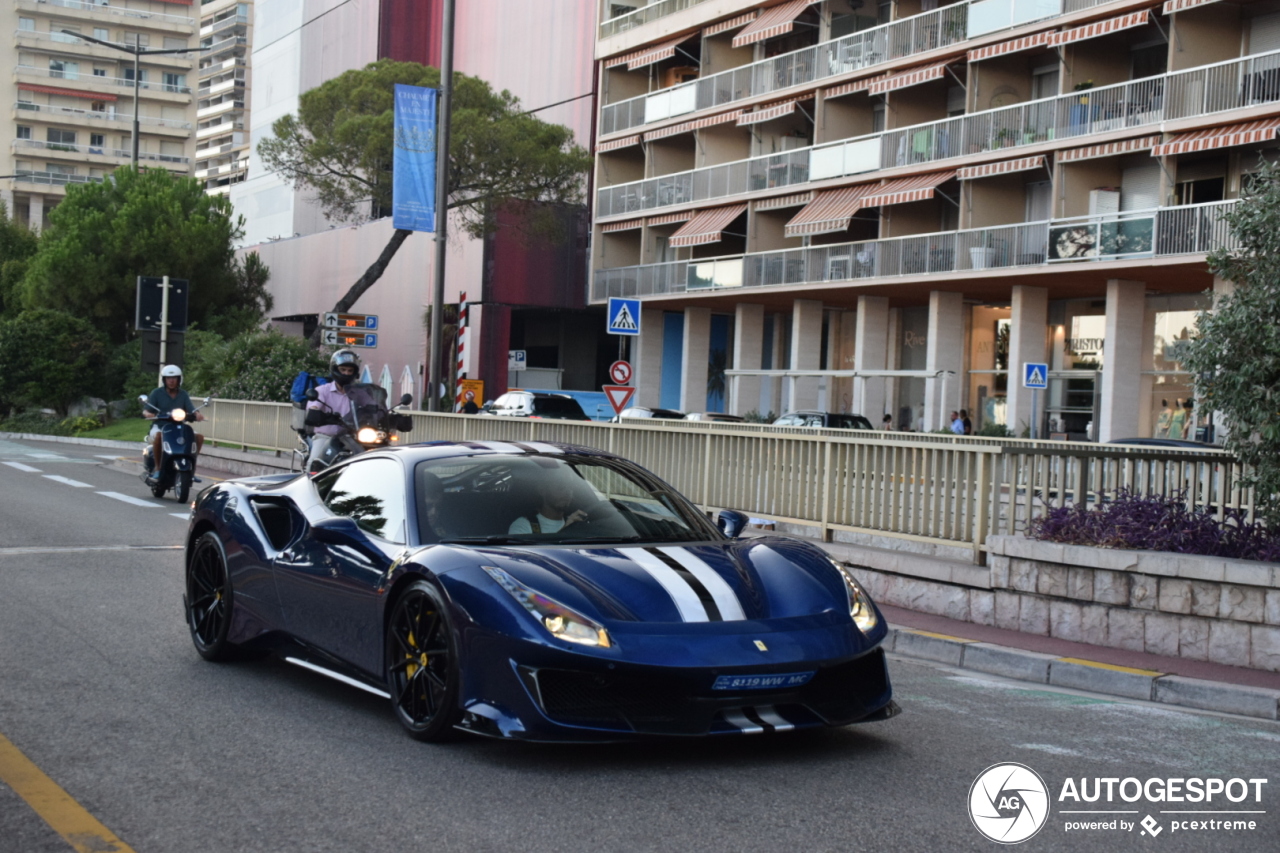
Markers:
41,454
106,456
182,515
76,549
22,467
129,499
67,480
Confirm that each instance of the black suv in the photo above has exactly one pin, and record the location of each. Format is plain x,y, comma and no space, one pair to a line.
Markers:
526,404
829,420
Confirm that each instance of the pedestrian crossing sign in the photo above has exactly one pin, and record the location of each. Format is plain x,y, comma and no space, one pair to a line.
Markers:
624,316
1035,376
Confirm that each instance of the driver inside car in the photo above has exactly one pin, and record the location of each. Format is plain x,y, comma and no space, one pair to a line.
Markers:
555,499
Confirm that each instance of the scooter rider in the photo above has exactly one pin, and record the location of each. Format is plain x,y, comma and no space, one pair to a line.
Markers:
329,411
167,397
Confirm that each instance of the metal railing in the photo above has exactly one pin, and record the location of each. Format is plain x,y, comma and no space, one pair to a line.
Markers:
77,77
1191,229
1223,86
55,179
97,149
921,487
104,115
949,25
224,44
103,6
64,38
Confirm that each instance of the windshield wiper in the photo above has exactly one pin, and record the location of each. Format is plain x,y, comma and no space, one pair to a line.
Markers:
587,540
489,540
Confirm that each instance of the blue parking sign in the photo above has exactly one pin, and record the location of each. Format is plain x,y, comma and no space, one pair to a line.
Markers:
623,316
1035,375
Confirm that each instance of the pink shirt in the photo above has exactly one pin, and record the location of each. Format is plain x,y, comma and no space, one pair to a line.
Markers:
330,399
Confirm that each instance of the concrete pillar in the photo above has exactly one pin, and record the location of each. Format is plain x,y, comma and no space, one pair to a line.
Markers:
806,352
646,358
694,355
893,361
772,394
748,354
1027,324
944,352
35,215
871,351
1121,360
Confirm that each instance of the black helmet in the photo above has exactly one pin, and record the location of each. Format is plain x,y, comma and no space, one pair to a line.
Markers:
342,358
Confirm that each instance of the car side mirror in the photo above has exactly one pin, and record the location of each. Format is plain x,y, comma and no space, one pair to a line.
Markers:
406,399
731,522
337,530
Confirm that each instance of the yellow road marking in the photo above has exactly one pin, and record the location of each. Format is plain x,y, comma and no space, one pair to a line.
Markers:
941,636
55,806
1111,666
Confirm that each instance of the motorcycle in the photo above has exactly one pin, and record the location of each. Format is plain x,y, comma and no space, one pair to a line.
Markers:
176,467
367,425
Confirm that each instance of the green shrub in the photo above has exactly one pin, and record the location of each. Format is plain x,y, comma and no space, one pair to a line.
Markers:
35,423
995,430
85,423
261,366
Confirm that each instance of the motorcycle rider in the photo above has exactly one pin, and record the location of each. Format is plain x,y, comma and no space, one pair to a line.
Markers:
169,396
328,413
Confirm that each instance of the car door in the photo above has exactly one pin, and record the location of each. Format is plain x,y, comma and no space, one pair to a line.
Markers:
329,590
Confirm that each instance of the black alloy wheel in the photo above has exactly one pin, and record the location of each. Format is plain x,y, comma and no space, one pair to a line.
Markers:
208,599
157,491
422,664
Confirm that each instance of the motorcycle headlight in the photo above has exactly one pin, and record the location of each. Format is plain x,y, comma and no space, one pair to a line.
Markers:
561,622
864,615
177,415
367,435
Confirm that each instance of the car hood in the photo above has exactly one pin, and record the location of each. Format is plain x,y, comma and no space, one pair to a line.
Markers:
709,582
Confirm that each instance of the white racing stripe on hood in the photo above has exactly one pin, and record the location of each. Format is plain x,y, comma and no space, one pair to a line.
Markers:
723,595
684,596
498,446
542,448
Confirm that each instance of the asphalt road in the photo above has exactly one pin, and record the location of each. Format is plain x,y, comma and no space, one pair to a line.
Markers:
101,689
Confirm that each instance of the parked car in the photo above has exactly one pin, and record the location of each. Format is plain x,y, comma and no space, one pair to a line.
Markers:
647,412
527,404
829,420
595,404
716,417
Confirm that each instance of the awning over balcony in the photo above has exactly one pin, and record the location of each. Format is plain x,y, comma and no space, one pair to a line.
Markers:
640,58
910,77
1172,6
1004,167
687,126
1101,28
769,112
1220,137
1108,149
1012,46
725,26
670,218
615,144
775,21
707,226
780,202
628,225
70,93
830,210
903,190
853,86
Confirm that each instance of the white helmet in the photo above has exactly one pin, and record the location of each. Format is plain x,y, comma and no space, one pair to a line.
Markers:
170,370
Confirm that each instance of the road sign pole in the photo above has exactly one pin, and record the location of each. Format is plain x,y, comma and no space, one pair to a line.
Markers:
164,314
1035,409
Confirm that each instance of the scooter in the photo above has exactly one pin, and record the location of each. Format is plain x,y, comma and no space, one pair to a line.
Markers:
176,468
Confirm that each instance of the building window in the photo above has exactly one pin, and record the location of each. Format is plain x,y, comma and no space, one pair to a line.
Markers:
24,132
99,72
102,33
59,169
142,76
98,141
98,106
28,24
64,69
71,36
174,82
139,39
171,43
57,136
1044,82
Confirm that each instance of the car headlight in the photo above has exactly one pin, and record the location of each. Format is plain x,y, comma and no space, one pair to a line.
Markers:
177,415
864,615
367,435
562,622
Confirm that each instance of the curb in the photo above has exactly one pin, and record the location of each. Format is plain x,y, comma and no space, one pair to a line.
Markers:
68,439
238,463
1079,674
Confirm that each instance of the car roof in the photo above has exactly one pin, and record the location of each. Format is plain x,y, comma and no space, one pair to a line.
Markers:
414,453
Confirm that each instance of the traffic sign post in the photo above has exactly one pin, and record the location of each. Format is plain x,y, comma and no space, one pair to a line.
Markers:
623,316
619,396
1035,376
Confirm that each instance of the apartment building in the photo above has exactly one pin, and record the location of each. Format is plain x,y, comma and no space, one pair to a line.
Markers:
71,117
890,208
222,101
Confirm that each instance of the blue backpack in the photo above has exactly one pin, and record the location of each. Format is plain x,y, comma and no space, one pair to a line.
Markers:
302,383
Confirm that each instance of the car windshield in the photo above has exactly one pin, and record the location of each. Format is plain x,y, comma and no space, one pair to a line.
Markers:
557,406
539,499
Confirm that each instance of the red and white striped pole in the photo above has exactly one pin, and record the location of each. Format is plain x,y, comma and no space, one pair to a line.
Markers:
461,371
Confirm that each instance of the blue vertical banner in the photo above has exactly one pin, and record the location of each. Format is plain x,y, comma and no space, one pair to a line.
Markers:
413,190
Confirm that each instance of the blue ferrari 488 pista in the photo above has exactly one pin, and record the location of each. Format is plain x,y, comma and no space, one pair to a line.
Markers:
532,591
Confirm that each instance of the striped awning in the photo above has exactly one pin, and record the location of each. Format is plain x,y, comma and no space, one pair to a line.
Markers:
1012,46
687,126
852,86
615,144
628,225
71,93
1220,137
725,26
903,190
1172,6
1101,28
657,53
779,202
769,112
670,218
910,77
830,210
1004,167
772,22
1108,149
707,226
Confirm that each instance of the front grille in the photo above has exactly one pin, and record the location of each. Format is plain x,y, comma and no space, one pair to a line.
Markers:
609,701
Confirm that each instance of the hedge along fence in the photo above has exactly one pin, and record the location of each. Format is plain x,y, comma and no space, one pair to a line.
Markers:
910,485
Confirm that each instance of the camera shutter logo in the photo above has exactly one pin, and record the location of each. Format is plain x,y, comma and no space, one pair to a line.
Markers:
1008,803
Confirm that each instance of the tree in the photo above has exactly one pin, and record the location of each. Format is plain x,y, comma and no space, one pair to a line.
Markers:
104,235
17,245
257,365
340,146
49,359
1236,353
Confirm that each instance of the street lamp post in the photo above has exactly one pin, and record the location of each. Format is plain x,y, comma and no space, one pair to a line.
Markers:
137,52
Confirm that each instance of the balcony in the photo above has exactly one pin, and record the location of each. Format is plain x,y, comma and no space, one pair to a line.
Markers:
209,70
81,81
949,25
1136,235
217,48
644,15
59,42
219,129
159,19
228,85
24,108
1218,88
227,24
51,179
219,109
97,150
